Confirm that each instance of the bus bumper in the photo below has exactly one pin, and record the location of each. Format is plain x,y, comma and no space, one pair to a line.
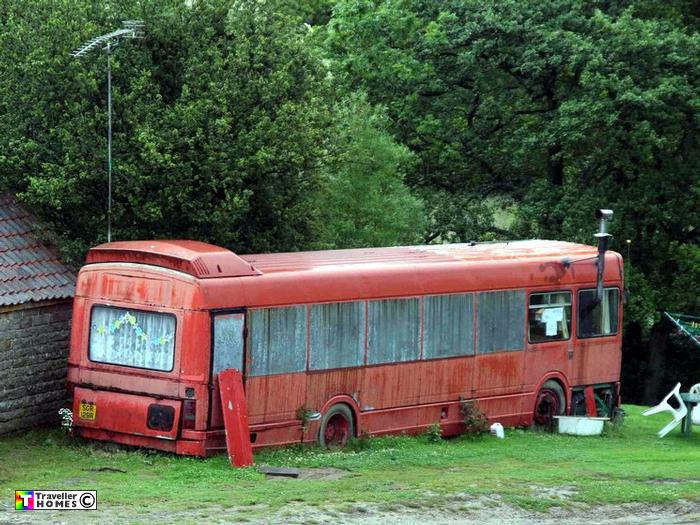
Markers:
183,447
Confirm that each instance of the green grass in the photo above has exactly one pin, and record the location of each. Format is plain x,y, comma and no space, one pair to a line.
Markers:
526,469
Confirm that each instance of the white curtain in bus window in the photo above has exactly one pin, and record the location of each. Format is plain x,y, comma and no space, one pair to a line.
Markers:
132,338
597,318
501,322
337,335
394,331
549,316
448,325
228,342
278,340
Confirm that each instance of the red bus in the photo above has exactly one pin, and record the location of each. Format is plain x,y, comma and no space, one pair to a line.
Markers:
335,344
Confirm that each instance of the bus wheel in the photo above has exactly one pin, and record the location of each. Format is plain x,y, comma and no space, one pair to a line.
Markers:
550,402
337,427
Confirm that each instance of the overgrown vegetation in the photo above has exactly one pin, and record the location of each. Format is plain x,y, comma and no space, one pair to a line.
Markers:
475,421
434,433
304,415
526,468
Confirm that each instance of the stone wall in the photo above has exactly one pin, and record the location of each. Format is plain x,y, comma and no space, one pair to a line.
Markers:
33,355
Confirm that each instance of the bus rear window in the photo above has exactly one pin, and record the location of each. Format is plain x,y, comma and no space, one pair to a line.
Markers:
120,336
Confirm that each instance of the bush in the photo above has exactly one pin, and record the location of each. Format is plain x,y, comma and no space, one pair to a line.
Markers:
434,433
475,421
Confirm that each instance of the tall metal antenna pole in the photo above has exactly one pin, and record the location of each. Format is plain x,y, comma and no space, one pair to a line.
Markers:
131,29
109,141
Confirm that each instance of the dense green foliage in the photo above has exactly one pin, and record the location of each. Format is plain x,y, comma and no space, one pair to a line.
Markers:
277,125
562,106
227,128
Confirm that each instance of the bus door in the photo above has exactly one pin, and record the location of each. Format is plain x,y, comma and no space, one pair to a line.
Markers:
597,357
550,343
227,351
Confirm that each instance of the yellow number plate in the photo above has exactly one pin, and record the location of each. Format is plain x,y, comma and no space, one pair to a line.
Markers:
88,410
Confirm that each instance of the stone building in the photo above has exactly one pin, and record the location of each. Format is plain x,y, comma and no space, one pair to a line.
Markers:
36,292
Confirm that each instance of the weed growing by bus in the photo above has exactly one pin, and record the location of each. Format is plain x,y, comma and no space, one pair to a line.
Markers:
434,433
475,421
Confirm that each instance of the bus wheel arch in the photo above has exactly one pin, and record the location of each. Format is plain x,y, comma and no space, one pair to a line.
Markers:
350,402
337,426
550,401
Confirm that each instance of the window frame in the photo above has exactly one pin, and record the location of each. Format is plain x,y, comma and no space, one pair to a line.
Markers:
521,301
175,339
212,317
249,361
472,299
530,308
363,332
578,307
369,325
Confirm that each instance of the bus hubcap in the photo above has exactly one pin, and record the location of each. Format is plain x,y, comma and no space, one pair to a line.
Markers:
337,431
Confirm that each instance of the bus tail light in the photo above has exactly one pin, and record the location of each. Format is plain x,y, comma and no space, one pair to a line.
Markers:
160,417
189,413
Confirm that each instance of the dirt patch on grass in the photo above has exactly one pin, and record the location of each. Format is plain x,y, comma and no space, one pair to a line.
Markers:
490,511
562,492
79,481
322,473
325,474
671,481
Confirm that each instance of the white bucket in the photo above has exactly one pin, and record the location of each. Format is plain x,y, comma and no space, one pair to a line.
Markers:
497,430
580,425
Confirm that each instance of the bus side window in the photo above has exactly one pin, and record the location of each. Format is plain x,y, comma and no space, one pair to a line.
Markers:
277,340
394,331
501,321
337,335
549,316
448,325
597,319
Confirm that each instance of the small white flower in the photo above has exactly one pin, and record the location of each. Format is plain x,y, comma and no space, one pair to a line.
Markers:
66,419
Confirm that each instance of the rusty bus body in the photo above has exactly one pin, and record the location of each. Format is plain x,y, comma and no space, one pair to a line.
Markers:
390,338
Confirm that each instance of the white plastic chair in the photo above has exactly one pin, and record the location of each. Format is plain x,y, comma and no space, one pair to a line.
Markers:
678,413
695,414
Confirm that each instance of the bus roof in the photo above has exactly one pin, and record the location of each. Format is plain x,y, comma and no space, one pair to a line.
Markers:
262,280
434,253
204,260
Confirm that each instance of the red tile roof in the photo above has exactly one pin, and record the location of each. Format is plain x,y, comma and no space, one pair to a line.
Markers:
29,269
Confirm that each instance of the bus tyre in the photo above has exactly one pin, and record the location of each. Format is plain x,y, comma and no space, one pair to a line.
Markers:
337,427
550,402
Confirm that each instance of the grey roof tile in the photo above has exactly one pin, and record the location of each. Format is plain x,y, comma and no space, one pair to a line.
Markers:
29,270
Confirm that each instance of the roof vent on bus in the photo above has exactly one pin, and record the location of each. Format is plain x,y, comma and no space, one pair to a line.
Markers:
196,258
200,266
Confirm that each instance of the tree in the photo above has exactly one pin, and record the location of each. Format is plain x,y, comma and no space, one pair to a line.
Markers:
218,122
223,122
562,106
366,202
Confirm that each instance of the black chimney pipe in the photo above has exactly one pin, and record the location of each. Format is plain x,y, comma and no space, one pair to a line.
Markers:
603,237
